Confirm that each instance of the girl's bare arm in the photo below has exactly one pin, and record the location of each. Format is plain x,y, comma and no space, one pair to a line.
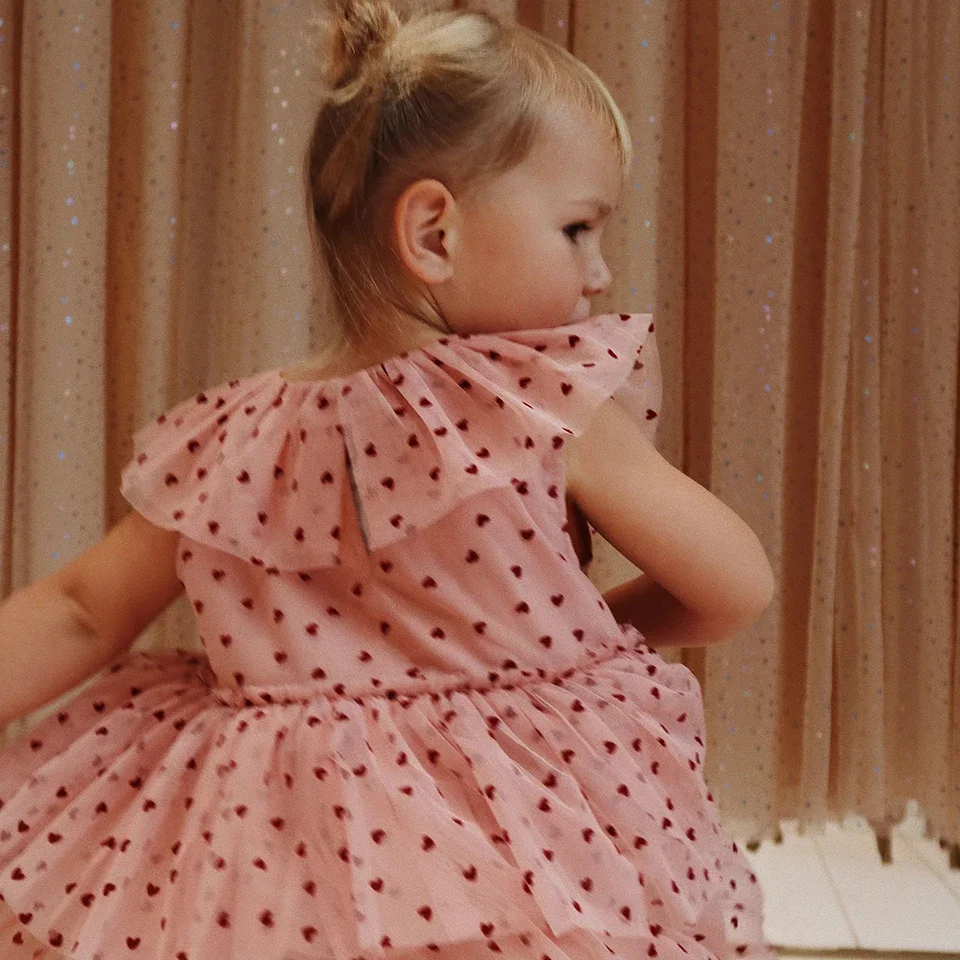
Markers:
686,540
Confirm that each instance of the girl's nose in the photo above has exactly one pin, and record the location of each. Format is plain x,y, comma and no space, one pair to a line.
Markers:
598,280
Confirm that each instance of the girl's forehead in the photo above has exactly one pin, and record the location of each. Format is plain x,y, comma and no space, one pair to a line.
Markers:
578,175
564,165
578,152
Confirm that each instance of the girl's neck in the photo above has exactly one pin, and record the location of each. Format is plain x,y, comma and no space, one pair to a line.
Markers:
351,359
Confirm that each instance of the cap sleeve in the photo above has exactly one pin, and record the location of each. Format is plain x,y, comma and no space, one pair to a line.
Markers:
641,392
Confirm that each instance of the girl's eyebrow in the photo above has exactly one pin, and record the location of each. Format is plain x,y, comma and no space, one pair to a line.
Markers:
602,206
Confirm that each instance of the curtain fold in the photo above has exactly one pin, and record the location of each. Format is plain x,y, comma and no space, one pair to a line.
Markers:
793,223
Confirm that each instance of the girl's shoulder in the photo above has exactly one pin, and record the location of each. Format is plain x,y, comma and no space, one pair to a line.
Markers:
257,465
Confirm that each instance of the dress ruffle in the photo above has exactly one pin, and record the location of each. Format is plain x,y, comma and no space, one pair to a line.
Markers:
209,826
408,440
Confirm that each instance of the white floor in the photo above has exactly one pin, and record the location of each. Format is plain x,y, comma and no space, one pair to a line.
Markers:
831,892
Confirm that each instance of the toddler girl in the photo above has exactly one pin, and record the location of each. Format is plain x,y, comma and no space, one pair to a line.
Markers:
415,728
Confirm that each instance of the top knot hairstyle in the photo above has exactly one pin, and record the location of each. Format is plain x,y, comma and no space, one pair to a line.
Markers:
451,95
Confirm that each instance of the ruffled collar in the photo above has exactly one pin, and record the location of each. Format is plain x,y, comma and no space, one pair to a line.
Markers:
258,466
538,339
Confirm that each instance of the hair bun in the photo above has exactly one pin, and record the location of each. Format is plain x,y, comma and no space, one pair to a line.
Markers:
359,31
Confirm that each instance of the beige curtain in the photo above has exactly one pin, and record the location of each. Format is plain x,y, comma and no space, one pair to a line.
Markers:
793,224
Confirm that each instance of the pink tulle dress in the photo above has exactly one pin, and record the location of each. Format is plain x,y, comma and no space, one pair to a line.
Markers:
415,728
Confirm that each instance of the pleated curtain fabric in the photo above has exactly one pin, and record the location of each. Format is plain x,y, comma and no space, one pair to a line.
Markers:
792,222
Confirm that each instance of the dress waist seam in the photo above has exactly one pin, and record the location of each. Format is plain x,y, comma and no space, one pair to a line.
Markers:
282,694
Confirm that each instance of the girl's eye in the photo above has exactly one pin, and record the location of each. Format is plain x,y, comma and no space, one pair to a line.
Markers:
574,229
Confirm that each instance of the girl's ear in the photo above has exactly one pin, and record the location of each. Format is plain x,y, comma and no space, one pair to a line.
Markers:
426,227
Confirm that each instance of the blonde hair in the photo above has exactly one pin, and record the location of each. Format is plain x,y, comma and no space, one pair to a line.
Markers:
455,96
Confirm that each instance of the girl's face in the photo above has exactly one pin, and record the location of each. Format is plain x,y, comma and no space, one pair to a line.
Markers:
523,252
